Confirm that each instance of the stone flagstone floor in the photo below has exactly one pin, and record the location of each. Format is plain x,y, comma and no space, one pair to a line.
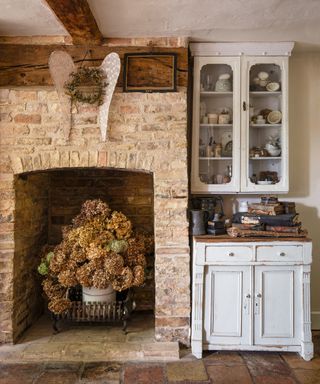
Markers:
90,343
215,367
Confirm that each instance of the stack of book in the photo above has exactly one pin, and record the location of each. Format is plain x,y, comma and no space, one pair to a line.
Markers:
268,219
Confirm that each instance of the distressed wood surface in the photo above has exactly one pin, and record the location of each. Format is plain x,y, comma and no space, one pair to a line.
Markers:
228,239
27,65
78,20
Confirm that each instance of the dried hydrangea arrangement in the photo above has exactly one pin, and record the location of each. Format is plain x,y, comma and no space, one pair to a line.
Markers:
98,249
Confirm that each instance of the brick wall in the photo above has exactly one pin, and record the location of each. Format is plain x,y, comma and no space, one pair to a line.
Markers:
147,132
125,191
31,232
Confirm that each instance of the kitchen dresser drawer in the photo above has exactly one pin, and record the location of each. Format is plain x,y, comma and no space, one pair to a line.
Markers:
228,253
280,253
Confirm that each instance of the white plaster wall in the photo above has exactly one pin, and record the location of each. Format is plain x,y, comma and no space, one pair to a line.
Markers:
304,139
304,153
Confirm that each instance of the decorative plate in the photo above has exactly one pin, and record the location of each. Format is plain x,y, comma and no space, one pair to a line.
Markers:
274,117
273,87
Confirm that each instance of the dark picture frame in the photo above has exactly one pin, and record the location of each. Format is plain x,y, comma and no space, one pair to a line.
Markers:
150,72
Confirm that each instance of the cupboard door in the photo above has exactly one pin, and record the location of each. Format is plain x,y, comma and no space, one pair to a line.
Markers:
277,305
216,125
264,124
227,305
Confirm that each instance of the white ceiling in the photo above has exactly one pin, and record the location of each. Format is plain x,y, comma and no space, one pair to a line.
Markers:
201,20
28,18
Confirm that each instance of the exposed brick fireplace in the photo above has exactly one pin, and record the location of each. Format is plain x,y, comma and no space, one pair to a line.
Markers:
146,147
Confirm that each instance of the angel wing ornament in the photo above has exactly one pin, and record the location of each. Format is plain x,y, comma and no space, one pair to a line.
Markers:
111,67
60,66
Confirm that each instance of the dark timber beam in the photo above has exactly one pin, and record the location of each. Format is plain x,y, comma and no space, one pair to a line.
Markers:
78,20
27,65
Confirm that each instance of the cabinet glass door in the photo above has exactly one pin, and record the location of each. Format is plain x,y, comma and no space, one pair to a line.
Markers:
265,125
216,125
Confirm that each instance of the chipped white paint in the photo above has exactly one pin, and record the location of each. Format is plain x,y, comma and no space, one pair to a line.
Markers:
261,303
111,66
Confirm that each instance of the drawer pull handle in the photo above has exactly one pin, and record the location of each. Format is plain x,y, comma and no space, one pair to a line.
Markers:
231,254
282,254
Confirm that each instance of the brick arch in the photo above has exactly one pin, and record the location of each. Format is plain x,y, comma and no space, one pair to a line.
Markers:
75,158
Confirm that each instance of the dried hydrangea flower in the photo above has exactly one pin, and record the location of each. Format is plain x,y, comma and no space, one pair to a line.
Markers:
59,306
84,275
78,254
52,288
100,279
138,276
89,210
113,264
123,280
120,224
68,278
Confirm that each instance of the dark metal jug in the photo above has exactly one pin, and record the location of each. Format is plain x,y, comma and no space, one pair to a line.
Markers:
198,221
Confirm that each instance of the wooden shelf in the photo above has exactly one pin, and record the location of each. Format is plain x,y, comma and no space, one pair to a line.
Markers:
215,94
215,158
217,125
266,158
264,93
265,125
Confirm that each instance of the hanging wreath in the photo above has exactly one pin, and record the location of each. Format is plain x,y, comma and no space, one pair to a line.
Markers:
87,85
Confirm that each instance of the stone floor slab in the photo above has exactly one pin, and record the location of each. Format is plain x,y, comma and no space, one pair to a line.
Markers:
222,374
186,371
144,374
295,361
58,377
307,376
19,373
265,364
97,373
225,358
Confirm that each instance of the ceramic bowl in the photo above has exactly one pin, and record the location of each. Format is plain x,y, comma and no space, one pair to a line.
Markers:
224,76
274,117
273,87
264,182
274,151
263,75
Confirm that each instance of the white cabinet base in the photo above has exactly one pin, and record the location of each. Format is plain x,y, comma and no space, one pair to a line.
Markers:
269,300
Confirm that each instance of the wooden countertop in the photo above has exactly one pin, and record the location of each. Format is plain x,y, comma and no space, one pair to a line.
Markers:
228,239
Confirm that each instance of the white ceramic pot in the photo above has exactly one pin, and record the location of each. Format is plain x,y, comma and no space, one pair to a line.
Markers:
91,294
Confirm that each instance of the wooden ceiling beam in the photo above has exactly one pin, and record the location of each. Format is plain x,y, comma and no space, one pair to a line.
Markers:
78,20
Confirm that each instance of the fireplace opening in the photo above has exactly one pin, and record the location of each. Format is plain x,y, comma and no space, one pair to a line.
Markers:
46,201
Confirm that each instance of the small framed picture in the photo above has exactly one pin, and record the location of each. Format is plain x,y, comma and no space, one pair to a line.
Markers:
150,72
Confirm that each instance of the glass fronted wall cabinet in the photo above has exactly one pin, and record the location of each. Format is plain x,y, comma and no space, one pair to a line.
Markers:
240,118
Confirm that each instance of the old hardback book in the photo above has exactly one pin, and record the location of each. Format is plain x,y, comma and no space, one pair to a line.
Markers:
266,209
296,229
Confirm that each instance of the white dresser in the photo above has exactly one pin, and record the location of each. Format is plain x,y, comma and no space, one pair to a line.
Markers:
251,294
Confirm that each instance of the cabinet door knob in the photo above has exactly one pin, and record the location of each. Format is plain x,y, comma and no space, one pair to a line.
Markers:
231,254
244,106
259,295
248,296
282,253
